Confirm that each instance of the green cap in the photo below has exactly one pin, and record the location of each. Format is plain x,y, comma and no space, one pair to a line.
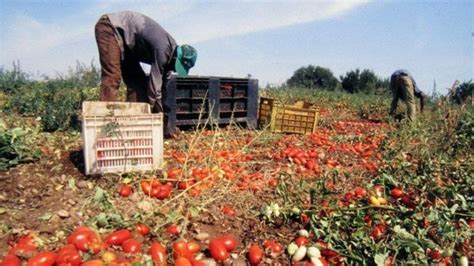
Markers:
185,59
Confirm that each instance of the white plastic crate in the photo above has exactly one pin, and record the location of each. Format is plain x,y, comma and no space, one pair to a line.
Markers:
121,137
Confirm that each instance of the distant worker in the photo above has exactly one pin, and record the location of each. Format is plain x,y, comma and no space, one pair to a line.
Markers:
126,39
404,87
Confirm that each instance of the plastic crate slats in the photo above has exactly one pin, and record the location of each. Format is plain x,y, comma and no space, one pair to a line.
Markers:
123,143
219,98
286,118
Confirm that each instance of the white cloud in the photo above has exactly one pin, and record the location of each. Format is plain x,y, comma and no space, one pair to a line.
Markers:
46,46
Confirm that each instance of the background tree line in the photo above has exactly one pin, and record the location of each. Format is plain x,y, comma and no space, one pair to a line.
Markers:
354,81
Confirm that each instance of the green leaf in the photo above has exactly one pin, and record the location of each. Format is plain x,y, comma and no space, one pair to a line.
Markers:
454,208
433,216
102,220
99,194
127,180
380,259
402,233
194,211
72,184
173,217
463,200
46,216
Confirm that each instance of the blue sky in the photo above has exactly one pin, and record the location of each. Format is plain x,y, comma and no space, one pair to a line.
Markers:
268,39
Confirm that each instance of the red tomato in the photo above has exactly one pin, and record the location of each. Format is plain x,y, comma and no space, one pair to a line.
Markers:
95,247
84,239
198,263
164,192
368,220
93,263
471,224
301,241
158,254
23,250
131,245
273,246
435,255
378,231
408,202
174,173
120,262
172,230
228,210
184,184
146,187
125,190
360,192
273,182
69,255
229,242
182,261
218,250
328,253
11,260
255,254
118,237
142,229
349,195
181,249
80,240
28,239
388,261
194,247
396,193
304,218
46,258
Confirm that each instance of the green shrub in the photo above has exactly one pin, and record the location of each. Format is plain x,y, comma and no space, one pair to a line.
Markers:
15,146
57,101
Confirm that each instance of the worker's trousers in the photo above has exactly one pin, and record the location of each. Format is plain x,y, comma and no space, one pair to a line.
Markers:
402,88
114,67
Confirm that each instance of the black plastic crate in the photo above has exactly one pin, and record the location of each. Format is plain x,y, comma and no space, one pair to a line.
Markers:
193,97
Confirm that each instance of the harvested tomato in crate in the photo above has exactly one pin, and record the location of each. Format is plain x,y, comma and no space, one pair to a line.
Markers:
121,137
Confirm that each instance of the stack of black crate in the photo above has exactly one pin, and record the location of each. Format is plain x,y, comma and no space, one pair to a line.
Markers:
194,99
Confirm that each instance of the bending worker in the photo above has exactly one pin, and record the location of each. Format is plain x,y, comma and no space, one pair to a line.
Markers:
125,40
404,87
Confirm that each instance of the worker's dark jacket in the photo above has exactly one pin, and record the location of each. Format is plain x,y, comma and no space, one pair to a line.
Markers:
143,38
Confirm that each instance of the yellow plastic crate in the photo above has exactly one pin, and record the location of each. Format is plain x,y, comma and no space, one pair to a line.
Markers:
300,118
121,137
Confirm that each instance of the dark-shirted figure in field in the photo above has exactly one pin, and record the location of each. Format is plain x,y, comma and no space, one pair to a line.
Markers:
403,87
126,39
